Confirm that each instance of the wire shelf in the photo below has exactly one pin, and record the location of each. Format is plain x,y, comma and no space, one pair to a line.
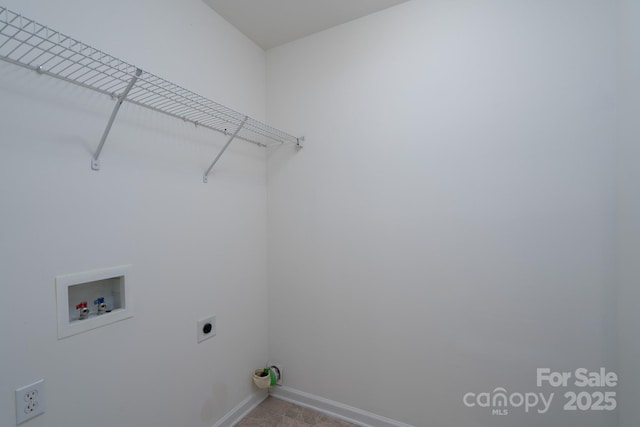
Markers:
29,44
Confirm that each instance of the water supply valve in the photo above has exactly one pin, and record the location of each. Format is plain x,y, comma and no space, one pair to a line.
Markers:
84,310
102,307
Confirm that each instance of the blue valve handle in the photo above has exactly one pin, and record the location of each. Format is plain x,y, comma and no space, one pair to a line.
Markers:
98,301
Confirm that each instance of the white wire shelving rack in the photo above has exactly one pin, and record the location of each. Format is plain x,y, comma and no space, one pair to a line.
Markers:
27,43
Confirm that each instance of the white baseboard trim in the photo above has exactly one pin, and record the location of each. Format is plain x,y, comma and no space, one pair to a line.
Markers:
335,409
241,410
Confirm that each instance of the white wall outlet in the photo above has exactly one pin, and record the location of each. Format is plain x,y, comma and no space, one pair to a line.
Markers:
29,401
206,328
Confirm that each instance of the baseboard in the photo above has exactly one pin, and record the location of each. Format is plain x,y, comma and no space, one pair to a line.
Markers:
241,410
335,409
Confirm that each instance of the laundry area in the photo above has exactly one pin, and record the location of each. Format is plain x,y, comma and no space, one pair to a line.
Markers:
375,213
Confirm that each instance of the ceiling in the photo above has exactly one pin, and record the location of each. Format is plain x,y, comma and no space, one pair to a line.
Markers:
271,23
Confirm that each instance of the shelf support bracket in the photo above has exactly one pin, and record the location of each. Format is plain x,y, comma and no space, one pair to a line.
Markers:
205,178
95,161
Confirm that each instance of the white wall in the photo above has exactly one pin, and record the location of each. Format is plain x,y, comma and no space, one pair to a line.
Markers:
196,249
449,226
629,211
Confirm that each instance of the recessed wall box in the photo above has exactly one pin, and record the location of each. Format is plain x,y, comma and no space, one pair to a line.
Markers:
93,299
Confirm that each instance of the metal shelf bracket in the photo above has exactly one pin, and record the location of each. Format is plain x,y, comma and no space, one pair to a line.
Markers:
205,178
95,161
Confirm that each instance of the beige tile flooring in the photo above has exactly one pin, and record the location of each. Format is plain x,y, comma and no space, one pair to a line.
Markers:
279,413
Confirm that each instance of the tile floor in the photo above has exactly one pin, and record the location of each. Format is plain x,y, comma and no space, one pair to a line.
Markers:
279,413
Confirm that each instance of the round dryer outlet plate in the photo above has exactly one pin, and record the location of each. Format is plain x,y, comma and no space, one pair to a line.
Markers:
206,328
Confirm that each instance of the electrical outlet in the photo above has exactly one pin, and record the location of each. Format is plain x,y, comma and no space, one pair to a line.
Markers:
206,328
29,401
